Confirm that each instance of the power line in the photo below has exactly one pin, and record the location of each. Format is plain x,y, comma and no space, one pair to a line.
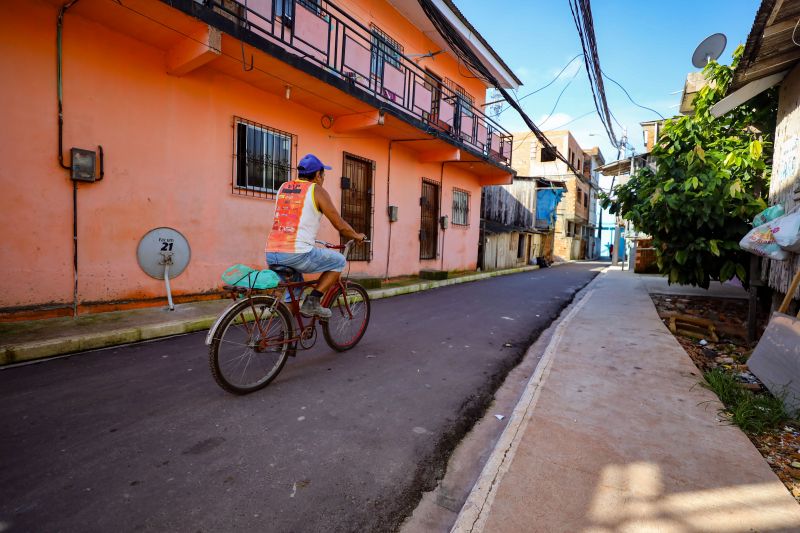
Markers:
574,119
612,80
549,116
471,60
582,16
540,88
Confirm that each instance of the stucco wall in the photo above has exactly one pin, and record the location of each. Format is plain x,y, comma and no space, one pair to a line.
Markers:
168,143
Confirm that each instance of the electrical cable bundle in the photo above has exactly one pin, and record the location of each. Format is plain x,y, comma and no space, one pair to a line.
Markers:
582,15
474,64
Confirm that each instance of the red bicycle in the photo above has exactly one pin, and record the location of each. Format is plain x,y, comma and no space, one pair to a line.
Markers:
252,339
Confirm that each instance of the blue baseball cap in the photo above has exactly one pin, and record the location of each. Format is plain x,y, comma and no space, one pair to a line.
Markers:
310,164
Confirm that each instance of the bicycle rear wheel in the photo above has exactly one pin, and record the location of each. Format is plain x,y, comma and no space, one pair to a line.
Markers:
350,317
250,348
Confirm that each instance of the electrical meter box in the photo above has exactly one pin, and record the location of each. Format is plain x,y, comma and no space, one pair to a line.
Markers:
392,213
83,164
444,222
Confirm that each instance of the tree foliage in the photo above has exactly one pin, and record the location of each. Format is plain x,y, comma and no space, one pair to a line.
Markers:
698,201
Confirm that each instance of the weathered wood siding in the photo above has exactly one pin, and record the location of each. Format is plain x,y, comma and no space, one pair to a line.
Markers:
511,205
501,250
785,181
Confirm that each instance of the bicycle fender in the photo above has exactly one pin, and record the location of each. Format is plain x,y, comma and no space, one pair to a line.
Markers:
213,329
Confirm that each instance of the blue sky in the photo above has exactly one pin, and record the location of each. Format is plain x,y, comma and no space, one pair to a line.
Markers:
644,45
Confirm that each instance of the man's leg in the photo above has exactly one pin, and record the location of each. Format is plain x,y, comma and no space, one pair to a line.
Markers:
331,264
327,280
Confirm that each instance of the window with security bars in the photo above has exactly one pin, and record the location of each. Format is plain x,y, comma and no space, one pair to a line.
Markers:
465,104
263,159
460,207
384,49
285,8
357,207
462,93
433,82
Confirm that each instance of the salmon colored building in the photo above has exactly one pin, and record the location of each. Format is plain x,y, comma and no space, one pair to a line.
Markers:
202,110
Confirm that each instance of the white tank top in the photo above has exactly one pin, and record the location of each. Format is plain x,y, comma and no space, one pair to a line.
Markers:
297,218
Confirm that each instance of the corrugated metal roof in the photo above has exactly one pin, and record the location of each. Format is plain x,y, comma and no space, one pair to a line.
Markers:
770,48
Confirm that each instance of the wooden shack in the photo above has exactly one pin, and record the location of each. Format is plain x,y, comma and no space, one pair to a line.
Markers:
511,236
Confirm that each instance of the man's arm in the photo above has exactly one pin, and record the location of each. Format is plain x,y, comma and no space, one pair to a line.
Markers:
325,205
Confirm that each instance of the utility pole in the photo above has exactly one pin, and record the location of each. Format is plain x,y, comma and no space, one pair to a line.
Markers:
632,254
615,242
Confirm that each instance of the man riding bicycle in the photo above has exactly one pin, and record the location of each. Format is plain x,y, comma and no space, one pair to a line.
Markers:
298,211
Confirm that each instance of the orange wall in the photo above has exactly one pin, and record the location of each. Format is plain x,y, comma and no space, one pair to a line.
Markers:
168,143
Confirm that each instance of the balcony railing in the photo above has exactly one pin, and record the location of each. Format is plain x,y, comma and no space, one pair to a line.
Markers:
326,36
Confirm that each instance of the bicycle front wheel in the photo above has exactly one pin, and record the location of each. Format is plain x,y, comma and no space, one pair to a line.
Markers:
251,345
350,316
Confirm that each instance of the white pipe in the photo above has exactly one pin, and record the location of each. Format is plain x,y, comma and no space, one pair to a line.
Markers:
169,290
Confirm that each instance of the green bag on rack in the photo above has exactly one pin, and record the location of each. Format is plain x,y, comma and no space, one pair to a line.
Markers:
767,215
243,276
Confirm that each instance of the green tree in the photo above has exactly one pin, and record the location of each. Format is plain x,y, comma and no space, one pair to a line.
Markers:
698,201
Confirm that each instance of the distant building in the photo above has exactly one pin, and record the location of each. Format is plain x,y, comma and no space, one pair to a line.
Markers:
575,228
651,129
594,161
518,222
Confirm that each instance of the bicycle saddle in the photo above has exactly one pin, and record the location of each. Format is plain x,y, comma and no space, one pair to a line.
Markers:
284,271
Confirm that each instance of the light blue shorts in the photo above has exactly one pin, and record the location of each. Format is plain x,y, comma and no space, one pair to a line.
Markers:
315,260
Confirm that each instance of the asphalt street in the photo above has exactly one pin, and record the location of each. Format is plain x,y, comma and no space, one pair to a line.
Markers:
140,438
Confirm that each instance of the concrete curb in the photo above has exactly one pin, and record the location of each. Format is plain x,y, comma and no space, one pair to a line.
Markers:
377,294
31,351
475,511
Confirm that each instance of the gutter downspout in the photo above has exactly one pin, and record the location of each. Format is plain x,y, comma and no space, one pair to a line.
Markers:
59,89
439,222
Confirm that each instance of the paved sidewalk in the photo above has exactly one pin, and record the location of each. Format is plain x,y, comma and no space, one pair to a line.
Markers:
37,339
614,434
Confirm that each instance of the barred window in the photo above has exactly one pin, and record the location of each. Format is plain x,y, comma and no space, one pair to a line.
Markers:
263,159
464,101
384,49
460,91
460,207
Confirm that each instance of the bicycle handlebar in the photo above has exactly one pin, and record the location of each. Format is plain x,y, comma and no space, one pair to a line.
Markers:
332,246
344,248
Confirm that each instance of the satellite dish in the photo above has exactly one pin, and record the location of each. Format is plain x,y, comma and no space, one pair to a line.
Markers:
164,253
710,49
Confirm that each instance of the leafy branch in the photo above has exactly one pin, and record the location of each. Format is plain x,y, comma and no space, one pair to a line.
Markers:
705,186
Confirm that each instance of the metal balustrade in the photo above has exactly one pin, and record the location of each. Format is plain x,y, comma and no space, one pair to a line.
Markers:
329,38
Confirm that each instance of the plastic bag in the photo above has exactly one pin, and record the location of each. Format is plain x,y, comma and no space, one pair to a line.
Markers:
761,241
244,276
786,231
770,213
